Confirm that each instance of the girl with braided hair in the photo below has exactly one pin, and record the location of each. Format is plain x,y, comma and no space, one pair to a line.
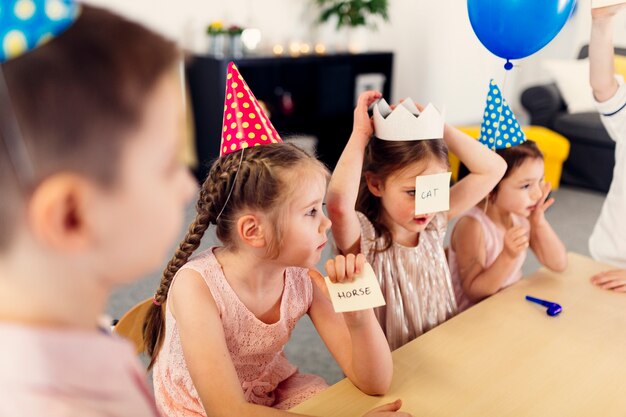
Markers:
216,332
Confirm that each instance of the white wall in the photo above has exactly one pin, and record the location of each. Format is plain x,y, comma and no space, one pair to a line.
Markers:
437,56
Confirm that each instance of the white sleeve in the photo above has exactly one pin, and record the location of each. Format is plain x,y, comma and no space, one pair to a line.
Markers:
613,112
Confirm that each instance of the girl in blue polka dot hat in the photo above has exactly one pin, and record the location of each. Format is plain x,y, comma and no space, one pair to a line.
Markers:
93,195
488,244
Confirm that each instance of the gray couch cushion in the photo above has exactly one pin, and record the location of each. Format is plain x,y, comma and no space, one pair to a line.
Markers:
583,128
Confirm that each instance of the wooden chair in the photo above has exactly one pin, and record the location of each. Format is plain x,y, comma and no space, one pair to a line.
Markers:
130,325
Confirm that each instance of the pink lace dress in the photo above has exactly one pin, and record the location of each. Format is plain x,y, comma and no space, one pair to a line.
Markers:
493,237
256,348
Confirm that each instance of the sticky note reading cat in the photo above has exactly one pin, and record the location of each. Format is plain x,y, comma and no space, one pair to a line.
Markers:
432,193
362,293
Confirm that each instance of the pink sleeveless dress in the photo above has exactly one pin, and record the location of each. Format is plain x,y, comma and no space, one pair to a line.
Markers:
493,237
256,348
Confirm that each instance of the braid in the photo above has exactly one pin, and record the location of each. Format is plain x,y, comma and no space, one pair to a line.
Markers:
211,194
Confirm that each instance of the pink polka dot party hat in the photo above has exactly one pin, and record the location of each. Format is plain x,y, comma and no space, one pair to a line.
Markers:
245,123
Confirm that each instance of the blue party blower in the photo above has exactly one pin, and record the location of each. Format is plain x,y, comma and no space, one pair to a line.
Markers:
554,309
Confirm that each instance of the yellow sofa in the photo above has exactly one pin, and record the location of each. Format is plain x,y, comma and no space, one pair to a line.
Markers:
555,149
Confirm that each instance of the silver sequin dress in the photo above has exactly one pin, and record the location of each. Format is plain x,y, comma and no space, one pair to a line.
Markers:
414,280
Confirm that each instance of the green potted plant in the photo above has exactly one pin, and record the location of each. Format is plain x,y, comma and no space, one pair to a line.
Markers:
355,16
353,13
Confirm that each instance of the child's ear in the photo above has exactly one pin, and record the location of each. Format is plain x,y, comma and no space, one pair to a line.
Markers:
251,230
374,184
56,212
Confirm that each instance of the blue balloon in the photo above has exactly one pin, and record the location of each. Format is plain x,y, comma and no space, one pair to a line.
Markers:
514,29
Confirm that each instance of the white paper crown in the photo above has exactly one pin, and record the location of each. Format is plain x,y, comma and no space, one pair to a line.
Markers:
406,123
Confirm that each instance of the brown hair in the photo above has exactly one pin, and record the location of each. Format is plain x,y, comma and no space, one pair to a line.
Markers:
77,97
262,181
514,157
384,158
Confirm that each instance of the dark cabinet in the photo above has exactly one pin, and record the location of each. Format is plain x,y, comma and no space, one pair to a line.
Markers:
310,95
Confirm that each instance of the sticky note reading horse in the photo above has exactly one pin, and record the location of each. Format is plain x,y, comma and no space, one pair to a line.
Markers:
362,293
432,193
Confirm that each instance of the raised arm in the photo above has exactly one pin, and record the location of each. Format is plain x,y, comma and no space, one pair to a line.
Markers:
344,185
485,166
601,55
544,241
355,339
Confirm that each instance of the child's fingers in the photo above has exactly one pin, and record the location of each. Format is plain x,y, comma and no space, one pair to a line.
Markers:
394,406
609,282
548,203
340,268
360,263
318,279
367,98
330,270
516,232
621,288
519,234
520,246
607,11
350,265
610,275
613,284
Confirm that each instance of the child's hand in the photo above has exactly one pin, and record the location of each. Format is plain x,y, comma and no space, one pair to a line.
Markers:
345,268
515,241
538,215
419,106
340,269
388,410
614,280
609,11
363,125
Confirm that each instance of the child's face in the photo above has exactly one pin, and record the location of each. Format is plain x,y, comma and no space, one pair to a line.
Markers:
520,192
305,224
137,220
398,197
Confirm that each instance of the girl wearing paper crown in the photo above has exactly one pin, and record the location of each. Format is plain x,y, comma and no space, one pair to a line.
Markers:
389,198
489,242
221,319
92,197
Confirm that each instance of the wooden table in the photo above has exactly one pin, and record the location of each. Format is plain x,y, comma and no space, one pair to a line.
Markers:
506,357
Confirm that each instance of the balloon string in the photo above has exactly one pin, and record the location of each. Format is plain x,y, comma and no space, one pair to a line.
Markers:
498,121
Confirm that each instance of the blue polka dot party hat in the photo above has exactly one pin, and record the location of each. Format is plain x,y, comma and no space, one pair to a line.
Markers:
499,128
26,24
